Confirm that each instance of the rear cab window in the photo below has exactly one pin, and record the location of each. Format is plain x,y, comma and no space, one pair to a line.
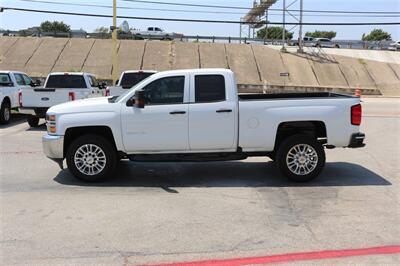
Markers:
5,80
209,88
64,81
131,79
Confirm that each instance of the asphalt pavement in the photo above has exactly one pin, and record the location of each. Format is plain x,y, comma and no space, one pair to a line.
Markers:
153,213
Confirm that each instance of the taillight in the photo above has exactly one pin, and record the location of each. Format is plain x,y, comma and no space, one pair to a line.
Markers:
20,98
356,114
107,92
71,96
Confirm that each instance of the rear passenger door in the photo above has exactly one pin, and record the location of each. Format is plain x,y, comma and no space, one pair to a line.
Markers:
211,115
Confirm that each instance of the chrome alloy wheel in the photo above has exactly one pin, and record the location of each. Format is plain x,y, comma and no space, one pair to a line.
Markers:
302,159
90,159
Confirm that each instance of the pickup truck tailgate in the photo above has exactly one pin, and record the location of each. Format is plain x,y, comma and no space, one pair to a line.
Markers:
47,97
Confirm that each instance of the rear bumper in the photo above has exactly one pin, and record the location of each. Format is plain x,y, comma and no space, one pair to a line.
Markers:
53,147
357,140
35,111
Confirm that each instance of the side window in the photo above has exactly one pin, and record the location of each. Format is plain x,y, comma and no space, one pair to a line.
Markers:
19,79
27,80
209,88
157,29
167,90
93,81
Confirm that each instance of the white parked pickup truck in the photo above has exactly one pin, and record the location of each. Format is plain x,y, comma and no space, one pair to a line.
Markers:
197,115
59,87
10,83
127,80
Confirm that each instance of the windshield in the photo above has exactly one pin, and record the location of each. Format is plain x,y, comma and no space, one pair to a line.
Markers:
5,80
66,81
131,79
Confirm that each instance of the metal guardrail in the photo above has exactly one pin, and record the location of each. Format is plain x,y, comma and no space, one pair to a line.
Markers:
349,44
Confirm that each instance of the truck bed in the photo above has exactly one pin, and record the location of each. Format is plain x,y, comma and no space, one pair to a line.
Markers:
299,95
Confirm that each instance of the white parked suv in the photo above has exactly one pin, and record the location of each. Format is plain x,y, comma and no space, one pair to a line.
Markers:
10,83
59,87
197,115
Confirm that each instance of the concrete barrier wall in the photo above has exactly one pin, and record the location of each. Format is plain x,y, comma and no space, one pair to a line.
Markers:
270,65
254,65
73,56
212,55
99,60
6,43
45,57
130,55
157,56
19,54
299,67
241,61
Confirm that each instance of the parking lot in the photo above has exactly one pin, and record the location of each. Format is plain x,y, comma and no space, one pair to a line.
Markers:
153,213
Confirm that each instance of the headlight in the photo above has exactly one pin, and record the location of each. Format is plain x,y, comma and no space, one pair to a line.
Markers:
51,124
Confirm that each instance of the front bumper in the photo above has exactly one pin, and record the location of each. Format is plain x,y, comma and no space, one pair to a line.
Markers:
357,140
53,147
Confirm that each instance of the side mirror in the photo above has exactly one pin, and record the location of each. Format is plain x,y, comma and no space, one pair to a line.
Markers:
139,99
116,82
37,83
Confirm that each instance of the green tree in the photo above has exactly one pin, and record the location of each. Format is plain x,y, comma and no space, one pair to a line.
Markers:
377,35
274,33
54,26
102,30
321,34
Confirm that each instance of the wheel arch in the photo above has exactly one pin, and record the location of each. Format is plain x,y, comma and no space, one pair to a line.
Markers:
72,133
290,128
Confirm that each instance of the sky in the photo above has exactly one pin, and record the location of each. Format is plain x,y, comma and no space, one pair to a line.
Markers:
14,20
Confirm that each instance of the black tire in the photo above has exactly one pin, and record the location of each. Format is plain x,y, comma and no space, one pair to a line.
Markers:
5,113
104,145
33,121
283,163
337,46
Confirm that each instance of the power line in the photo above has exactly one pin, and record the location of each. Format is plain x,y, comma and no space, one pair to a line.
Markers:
271,9
191,11
194,20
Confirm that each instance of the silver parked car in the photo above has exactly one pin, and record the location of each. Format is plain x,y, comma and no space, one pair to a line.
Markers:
325,43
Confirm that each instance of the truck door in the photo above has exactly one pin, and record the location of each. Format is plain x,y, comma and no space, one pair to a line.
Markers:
162,125
212,116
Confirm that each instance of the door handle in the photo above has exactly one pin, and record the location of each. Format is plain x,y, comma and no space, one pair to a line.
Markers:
177,113
224,111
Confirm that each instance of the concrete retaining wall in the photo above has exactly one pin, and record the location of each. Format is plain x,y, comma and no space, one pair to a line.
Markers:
255,65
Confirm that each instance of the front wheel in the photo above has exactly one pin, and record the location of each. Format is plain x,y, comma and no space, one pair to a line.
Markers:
33,121
91,158
301,158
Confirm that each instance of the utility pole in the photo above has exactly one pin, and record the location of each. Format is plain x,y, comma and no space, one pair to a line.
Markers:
284,27
266,24
301,50
114,32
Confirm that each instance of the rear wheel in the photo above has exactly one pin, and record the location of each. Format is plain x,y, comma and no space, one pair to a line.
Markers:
91,158
33,121
5,113
301,158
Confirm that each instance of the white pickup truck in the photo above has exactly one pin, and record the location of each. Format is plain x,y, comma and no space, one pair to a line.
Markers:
127,80
10,83
59,87
155,33
197,115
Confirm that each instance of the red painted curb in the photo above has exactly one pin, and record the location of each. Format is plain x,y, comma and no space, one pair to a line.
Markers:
315,255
